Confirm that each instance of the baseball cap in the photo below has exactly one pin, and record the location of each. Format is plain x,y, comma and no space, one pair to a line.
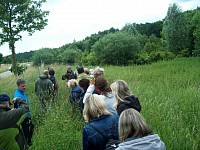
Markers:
4,98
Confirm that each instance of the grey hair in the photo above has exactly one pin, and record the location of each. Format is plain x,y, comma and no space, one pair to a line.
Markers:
98,72
132,124
20,81
120,90
94,106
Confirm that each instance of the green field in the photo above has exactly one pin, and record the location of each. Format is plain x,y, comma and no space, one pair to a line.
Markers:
169,92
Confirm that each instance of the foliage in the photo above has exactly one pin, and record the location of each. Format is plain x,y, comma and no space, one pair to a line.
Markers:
17,17
1,58
87,59
20,69
7,60
44,55
143,58
144,42
196,32
161,55
70,56
176,30
150,28
24,57
116,49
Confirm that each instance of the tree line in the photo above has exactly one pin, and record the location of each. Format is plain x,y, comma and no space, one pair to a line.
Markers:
177,35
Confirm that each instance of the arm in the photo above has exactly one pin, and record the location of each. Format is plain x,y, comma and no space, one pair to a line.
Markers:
89,91
17,115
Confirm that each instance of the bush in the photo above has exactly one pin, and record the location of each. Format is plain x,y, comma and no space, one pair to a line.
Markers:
143,58
20,69
161,55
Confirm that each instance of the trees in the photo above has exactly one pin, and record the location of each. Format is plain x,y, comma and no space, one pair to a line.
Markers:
116,49
17,17
175,30
44,55
1,58
196,32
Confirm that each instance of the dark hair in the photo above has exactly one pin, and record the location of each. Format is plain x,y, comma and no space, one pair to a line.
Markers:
20,81
103,85
84,83
51,72
80,69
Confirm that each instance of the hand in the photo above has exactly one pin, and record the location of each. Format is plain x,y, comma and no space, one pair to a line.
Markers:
14,100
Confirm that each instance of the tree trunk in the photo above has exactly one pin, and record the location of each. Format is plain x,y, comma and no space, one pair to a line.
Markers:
14,63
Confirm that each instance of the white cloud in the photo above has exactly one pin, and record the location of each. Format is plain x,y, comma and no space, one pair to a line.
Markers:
76,19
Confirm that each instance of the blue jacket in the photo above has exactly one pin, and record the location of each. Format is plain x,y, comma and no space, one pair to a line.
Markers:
92,140
76,92
21,94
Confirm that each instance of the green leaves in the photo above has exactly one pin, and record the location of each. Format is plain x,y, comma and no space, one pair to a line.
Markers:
116,49
18,16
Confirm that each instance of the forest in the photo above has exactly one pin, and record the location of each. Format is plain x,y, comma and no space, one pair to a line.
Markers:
177,35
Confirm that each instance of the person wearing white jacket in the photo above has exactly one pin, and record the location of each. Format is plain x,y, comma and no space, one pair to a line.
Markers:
134,133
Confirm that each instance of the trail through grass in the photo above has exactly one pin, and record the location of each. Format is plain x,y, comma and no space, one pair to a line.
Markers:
169,93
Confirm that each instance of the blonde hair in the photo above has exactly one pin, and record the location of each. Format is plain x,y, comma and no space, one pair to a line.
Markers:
46,72
97,72
132,124
94,106
120,90
72,83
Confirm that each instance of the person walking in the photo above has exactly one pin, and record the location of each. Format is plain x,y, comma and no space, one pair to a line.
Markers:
123,96
44,91
11,135
27,124
55,83
135,134
101,124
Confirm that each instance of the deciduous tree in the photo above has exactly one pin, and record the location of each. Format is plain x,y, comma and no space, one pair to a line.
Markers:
17,16
175,30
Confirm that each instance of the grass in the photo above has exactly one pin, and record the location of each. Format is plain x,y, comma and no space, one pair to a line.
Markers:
168,92
3,68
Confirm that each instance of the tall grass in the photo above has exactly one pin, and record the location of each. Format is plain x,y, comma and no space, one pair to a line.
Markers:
169,92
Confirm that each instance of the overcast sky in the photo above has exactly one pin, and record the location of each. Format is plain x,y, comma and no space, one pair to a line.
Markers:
76,19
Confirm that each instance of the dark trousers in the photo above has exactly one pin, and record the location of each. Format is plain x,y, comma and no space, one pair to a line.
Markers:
28,127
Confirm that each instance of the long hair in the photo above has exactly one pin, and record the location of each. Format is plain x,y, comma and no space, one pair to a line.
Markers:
132,124
120,90
94,107
103,85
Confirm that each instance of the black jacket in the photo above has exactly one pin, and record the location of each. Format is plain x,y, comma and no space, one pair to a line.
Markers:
129,102
11,136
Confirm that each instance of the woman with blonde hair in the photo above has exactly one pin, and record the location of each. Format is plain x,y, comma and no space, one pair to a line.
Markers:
124,98
134,133
95,112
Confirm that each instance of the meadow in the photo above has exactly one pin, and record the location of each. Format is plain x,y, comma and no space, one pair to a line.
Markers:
169,92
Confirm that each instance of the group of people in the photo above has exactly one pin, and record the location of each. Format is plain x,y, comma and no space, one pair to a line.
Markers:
16,127
112,112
